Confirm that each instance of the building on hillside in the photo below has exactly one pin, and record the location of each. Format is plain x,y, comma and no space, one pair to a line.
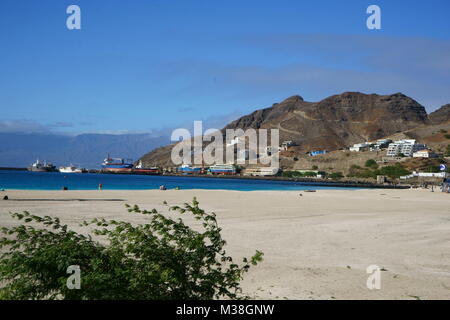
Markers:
360,147
425,153
285,145
380,144
317,152
261,171
406,147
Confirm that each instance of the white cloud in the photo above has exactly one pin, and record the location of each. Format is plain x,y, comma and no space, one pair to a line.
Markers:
23,126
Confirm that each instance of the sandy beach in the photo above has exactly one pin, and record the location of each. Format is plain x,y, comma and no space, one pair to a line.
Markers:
316,246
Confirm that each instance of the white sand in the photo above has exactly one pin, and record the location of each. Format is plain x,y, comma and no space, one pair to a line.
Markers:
317,246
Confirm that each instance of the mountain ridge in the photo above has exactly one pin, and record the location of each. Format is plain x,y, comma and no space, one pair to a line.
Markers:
333,123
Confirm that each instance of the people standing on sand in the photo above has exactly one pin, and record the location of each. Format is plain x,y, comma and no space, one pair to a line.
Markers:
100,186
446,186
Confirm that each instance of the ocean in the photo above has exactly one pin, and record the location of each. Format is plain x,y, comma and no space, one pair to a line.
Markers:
90,181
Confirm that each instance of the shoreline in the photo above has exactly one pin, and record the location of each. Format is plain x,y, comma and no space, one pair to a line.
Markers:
303,181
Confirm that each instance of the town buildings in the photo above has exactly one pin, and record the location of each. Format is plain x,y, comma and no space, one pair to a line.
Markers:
405,147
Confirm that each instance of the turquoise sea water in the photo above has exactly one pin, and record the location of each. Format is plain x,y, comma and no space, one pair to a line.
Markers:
89,181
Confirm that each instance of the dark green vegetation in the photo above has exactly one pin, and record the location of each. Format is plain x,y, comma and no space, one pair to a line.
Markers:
371,163
297,174
336,175
393,172
162,259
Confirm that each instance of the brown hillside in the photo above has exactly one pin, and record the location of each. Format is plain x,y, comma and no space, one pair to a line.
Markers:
333,123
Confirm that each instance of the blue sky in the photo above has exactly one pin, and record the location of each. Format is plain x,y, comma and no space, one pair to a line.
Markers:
157,64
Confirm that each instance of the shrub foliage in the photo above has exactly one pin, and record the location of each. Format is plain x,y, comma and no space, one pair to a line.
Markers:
162,259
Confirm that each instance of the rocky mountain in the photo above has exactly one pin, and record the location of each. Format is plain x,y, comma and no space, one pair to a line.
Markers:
441,115
337,121
333,123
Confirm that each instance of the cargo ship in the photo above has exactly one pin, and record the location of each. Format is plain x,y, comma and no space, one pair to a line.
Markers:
222,169
42,167
117,165
187,169
139,169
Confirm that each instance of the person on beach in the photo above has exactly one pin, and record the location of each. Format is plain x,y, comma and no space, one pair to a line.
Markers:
100,186
446,186
162,187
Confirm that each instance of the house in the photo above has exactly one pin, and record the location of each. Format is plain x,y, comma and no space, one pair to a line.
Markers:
383,143
286,144
360,147
406,147
317,152
425,153
380,144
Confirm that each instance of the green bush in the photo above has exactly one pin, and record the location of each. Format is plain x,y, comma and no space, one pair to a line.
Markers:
296,174
432,168
162,259
336,175
394,172
371,163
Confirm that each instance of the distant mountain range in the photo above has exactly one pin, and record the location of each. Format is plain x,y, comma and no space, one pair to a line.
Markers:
86,150
336,122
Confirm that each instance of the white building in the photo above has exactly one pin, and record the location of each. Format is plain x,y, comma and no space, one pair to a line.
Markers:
360,147
406,147
380,144
425,174
261,171
425,153
285,145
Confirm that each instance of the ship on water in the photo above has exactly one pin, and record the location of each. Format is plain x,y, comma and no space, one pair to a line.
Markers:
140,169
117,165
44,166
71,169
